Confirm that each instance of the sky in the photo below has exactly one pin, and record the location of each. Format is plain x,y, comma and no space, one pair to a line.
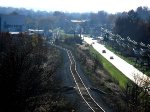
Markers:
110,6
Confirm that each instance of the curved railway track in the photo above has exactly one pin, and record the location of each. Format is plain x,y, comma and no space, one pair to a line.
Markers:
81,87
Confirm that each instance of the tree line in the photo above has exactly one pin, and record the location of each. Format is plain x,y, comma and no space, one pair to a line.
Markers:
135,24
27,71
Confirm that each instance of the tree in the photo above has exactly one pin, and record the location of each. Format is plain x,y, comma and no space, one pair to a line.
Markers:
138,98
133,25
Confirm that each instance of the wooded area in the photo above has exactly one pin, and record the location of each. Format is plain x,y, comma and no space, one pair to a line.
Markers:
27,71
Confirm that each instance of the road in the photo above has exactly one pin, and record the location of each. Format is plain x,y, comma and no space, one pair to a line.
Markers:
128,70
81,86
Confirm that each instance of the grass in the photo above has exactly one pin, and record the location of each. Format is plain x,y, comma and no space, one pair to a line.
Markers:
112,70
129,60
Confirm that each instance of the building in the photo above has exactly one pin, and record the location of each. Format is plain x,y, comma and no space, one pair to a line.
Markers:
35,31
12,23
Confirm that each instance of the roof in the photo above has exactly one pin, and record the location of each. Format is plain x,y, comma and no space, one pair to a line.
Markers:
14,33
78,21
35,30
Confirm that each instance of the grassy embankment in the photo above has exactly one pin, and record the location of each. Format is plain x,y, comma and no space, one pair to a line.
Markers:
130,61
112,70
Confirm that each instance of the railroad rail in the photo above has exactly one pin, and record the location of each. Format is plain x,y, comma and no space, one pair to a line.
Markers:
83,90
81,87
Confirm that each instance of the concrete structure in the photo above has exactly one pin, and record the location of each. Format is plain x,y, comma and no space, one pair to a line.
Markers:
12,23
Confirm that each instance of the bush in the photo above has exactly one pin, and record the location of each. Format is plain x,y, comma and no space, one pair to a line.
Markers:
23,64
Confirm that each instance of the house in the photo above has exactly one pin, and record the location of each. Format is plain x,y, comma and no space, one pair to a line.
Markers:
12,23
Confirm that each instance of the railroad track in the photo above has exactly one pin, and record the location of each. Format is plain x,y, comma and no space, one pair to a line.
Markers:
81,87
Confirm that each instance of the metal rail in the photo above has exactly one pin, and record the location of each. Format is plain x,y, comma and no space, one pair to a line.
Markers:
81,87
83,90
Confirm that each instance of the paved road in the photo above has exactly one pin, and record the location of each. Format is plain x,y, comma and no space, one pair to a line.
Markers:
130,71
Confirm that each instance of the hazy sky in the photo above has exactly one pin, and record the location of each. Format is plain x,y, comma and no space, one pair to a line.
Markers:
110,6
